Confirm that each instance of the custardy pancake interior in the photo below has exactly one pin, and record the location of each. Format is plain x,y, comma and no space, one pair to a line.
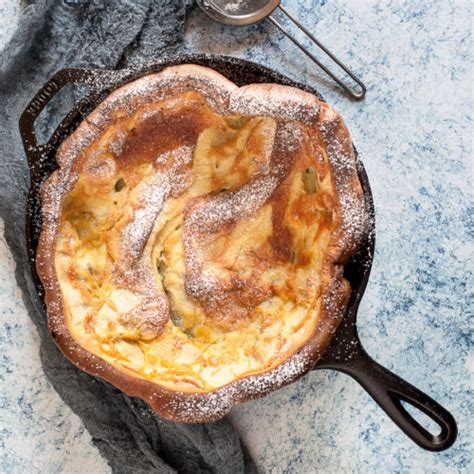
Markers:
190,245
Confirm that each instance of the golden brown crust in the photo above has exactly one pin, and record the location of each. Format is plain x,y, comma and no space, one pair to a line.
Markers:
224,97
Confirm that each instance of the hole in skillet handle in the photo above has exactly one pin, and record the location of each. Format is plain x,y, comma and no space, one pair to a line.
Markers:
429,424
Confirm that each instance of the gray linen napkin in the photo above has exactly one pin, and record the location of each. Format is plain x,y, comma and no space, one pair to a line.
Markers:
106,34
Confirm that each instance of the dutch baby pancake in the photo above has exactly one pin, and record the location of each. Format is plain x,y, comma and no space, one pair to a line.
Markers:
194,238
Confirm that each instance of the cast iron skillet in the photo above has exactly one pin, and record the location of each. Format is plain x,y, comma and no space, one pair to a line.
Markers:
345,352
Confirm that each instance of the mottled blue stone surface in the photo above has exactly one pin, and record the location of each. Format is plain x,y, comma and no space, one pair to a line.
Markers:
413,135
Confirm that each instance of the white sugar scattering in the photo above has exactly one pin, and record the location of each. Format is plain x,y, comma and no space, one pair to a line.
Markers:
211,215
154,193
116,145
290,135
237,205
229,206
201,284
152,313
70,149
156,87
179,172
234,7
182,155
335,148
291,108
61,182
136,232
286,102
354,216
228,7
216,404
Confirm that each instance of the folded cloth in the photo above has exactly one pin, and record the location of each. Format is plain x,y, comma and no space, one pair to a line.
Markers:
52,34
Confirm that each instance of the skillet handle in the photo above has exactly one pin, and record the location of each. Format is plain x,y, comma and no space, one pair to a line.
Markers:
390,390
38,153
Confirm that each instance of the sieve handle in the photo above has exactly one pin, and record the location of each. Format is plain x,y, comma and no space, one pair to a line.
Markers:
358,93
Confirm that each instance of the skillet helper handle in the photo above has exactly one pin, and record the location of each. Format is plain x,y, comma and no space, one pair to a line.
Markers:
390,390
37,152
357,93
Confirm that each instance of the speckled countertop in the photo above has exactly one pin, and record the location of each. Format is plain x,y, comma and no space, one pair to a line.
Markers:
413,135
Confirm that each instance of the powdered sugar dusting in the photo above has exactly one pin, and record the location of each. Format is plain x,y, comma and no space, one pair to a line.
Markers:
59,184
210,215
216,404
156,87
236,205
151,314
234,7
291,135
291,107
153,195
340,152
286,103
179,172
206,216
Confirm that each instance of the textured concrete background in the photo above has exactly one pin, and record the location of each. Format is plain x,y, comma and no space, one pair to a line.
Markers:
412,133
